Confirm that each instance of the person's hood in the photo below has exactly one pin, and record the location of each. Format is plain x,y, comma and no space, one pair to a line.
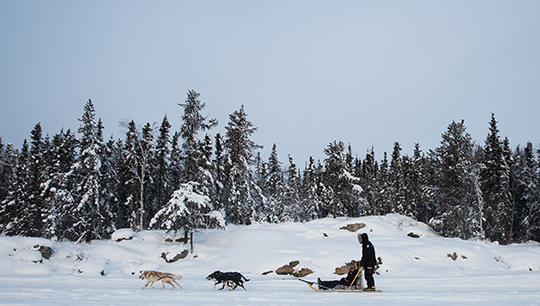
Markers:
365,238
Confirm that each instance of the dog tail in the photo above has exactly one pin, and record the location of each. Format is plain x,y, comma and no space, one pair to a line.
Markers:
247,280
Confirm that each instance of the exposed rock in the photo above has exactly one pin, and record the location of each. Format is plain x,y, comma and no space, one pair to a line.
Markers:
45,251
353,227
453,256
267,272
285,270
413,235
175,258
303,272
342,270
294,263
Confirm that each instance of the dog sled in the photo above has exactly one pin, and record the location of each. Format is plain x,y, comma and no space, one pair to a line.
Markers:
354,287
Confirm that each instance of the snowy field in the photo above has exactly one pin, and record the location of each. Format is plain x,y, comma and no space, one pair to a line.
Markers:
415,271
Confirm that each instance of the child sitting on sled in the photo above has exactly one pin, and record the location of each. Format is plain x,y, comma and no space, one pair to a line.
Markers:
352,277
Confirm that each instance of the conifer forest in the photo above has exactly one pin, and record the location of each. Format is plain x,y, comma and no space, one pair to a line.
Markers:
78,186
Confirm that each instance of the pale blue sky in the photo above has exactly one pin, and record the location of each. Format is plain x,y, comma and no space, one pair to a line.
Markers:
368,73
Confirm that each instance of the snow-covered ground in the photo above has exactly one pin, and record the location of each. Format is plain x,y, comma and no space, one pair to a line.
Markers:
415,271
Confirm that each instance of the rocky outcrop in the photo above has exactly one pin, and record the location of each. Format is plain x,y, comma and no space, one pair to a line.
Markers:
353,227
178,256
288,269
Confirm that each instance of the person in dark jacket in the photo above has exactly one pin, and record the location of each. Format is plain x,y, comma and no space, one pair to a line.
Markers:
345,281
368,261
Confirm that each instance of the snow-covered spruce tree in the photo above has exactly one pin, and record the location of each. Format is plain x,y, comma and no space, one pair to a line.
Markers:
175,164
310,191
460,208
90,217
344,189
8,162
61,160
146,164
25,201
187,210
128,173
495,182
291,196
367,171
14,204
273,189
383,203
121,211
197,169
207,168
422,185
397,182
111,159
526,195
139,155
193,122
242,190
161,169
220,174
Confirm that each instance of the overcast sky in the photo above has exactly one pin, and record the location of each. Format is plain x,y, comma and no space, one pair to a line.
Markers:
368,73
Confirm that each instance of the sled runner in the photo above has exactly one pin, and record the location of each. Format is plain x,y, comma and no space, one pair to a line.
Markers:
340,288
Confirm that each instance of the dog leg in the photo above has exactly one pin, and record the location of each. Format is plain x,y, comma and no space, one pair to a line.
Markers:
148,283
177,284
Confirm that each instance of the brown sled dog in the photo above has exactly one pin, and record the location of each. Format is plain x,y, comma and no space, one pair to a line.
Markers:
164,277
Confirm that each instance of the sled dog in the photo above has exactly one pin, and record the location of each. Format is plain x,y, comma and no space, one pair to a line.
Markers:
229,279
164,277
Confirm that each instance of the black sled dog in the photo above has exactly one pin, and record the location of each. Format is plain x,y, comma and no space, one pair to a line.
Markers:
229,279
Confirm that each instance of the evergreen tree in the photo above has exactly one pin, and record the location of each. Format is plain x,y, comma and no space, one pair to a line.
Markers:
176,170
129,178
59,185
397,181
8,160
273,189
88,217
310,199
498,209
8,164
25,203
187,210
196,155
422,185
343,187
145,161
460,204
291,196
193,123
111,157
243,192
367,171
383,204
161,172
14,206
207,170
526,195
220,174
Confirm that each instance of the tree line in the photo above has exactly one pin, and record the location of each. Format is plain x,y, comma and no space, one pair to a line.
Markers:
83,187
